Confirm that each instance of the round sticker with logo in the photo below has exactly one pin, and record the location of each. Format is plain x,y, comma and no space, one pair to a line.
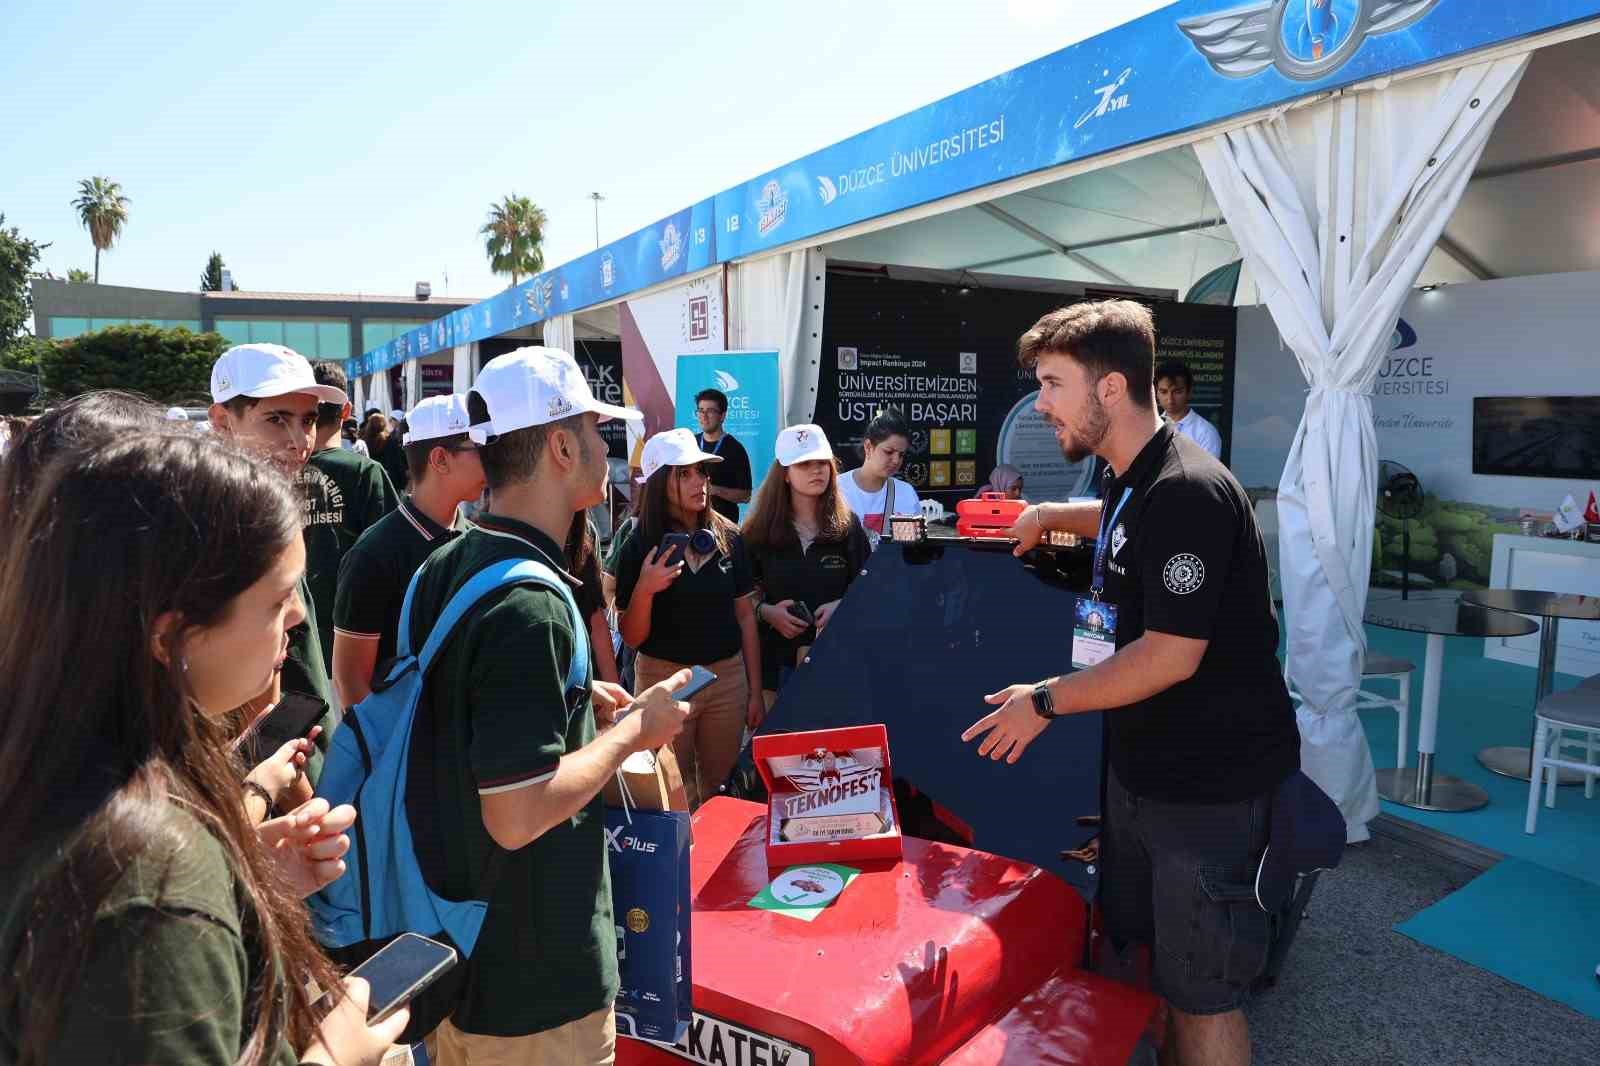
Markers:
807,886
1183,574
638,920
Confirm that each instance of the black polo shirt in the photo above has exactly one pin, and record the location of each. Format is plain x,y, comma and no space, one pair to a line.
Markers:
692,621
1185,557
732,473
375,573
820,574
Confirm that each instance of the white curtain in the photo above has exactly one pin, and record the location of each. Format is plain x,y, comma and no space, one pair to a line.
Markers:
558,333
1336,207
461,373
413,384
776,303
378,392
358,397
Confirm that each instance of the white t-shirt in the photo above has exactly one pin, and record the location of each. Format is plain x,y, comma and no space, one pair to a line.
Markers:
1202,432
869,506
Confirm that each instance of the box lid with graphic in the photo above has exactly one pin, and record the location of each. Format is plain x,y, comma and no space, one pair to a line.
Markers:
831,795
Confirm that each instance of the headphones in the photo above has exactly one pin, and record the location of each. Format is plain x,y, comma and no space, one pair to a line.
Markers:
703,542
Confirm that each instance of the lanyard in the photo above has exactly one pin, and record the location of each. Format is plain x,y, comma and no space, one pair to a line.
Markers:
717,451
1100,544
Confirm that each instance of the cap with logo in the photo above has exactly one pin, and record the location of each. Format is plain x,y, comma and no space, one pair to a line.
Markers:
262,371
435,417
535,386
675,447
803,444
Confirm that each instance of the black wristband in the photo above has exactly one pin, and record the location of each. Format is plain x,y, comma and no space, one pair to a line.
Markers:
1044,705
251,788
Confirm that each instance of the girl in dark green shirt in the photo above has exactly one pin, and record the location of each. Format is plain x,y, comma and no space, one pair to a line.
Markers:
141,919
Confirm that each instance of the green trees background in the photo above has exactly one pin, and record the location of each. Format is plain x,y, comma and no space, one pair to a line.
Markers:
1452,543
171,366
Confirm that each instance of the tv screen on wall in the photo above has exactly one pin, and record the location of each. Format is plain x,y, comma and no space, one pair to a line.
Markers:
1536,436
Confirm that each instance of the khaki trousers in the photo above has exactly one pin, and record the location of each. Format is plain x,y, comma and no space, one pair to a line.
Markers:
708,747
589,1041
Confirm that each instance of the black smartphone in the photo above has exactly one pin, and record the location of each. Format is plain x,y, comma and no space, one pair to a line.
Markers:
699,678
293,716
406,965
674,548
798,609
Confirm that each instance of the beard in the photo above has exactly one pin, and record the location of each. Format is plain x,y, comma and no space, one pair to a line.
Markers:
1082,441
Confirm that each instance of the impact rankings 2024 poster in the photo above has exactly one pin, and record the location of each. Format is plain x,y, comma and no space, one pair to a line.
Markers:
945,356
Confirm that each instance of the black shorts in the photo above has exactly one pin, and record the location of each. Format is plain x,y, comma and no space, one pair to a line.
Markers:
1179,877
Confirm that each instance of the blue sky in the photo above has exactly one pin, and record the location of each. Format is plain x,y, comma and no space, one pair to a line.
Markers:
355,147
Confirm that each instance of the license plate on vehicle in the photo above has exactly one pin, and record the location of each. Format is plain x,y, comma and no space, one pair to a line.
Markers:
715,1042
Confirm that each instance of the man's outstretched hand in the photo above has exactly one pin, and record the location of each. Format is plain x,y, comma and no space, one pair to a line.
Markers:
1012,728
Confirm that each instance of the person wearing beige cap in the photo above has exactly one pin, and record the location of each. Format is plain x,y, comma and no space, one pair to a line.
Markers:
264,398
513,760
684,589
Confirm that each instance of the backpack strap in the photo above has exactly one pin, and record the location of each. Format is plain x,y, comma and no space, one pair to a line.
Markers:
490,578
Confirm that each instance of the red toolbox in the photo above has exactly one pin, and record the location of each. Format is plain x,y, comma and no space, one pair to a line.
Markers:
990,514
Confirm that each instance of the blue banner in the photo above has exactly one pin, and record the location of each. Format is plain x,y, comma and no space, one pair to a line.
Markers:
1185,67
750,380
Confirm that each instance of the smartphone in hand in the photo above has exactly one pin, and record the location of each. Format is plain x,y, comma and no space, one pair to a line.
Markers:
699,678
675,547
407,964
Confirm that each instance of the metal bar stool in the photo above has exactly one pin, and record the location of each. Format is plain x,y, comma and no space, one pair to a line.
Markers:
1573,709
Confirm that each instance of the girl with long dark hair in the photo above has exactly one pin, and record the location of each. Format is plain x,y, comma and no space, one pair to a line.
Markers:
805,549
872,490
688,603
141,920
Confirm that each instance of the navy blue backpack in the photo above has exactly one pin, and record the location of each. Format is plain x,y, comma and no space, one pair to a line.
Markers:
384,891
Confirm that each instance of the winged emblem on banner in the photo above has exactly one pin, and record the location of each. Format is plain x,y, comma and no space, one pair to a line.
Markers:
1304,39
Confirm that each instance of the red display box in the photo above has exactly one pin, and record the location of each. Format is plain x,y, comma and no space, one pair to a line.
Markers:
989,515
818,782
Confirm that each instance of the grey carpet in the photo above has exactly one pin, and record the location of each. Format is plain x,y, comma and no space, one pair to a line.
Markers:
1356,992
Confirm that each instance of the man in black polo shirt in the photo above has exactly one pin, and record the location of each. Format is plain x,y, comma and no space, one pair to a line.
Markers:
1199,727
730,479
445,473
505,756
345,495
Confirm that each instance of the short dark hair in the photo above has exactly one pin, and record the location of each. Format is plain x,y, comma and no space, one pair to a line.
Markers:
1175,368
417,454
514,456
1102,336
239,405
716,396
326,373
889,422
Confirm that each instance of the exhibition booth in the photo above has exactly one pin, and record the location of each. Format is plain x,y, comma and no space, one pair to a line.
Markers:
1371,241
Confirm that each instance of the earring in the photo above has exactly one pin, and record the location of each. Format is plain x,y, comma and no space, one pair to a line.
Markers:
183,664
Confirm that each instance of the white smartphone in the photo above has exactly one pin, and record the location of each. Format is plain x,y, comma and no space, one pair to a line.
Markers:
406,965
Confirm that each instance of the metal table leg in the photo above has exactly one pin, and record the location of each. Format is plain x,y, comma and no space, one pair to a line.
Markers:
1509,760
1422,788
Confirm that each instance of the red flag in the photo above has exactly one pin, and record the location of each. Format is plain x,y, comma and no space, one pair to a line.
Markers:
1591,513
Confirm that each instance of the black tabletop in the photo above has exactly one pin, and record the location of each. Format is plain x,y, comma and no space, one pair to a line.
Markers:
1447,617
1543,604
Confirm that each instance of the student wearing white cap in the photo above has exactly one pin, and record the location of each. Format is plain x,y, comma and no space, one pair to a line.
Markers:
806,547
264,398
684,589
346,494
445,473
513,759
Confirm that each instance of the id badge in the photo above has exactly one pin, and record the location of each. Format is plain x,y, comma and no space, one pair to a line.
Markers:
1094,632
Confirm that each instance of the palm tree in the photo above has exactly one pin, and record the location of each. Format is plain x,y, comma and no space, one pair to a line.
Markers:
103,210
514,237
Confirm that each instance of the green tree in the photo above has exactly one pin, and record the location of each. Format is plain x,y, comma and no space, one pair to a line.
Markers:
18,255
171,366
211,279
78,277
514,237
103,210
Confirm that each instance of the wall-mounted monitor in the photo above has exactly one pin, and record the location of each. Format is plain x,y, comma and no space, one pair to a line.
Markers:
1536,436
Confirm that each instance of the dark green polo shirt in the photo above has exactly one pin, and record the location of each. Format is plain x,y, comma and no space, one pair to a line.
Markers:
497,719
170,966
820,574
305,670
344,495
374,575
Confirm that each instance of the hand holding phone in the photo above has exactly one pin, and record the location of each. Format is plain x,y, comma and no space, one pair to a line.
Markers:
699,679
346,1038
407,964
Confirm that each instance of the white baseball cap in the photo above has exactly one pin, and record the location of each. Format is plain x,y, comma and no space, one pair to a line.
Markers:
535,386
675,447
262,371
802,444
397,414
177,414
435,417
